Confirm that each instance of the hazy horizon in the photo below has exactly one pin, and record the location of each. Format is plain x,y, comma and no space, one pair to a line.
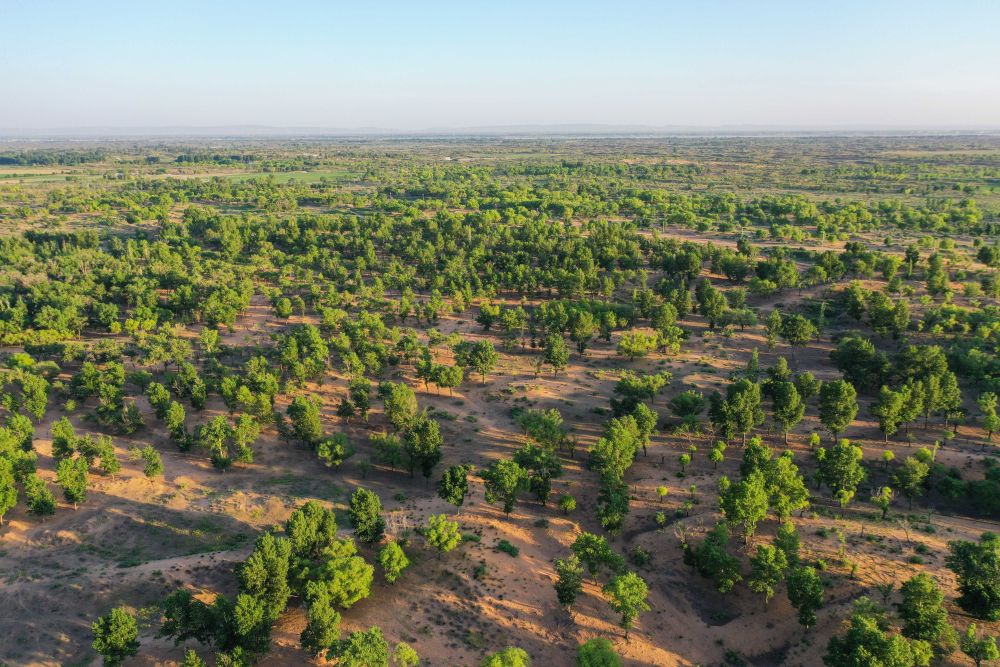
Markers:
401,68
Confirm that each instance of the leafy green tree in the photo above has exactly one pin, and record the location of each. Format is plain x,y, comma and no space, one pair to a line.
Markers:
979,649
788,407
569,580
712,559
152,462
772,327
645,419
882,498
442,534
805,593
922,612
841,469
504,479
627,595
838,405
71,474
787,540
740,412
303,412
868,642
597,652
712,304
38,498
911,478
636,344
797,331
767,570
480,356
542,466
362,649
393,560
422,444
322,620
888,409
191,659
567,503
509,657
977,566
116,636
264,574
595,552
400,404
365,513
555,353
688,406
8,490
453,486
745,503
404,655
311,529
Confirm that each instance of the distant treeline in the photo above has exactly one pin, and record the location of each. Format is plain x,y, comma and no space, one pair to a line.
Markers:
45,157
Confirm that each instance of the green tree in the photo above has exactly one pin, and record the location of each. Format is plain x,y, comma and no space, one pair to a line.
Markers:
365,513
191,659
453,486
504,479
597,652
745,503
71,474
264,574
922,612
797,331
322,620
362,649
868,642
767,570
882,498
788,407
442,534
38,498
979,649
8,490
712,559
405,656
595,552
509,657
400,404
888,409
481,357
627,595
393,560
569,580
152,462
787,540
422,444
838,405
740,412
805,593
977,566
911,478
116,636
303,412
555,353
841,469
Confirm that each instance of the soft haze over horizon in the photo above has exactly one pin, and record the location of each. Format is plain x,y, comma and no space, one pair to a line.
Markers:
397,65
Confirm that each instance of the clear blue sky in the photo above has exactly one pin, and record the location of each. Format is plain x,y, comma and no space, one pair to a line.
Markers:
422,64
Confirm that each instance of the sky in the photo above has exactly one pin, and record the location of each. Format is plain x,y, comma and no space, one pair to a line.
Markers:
417,65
